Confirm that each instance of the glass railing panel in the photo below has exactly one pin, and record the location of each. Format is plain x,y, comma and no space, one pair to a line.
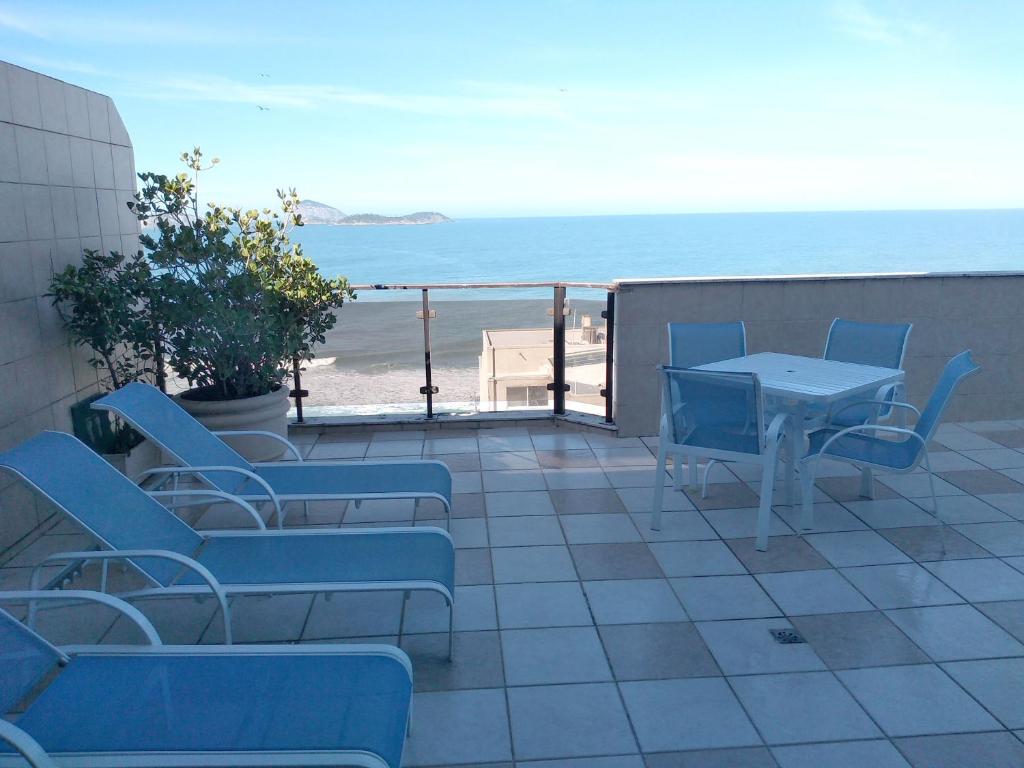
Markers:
372,361
491,350
586,346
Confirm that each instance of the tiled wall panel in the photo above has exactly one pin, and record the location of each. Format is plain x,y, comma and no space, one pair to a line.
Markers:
66,170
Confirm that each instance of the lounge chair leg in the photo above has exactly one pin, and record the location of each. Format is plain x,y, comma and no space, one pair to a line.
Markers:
867,483
677,473
691,462
451,628
707,474
659,491
764,511
305,511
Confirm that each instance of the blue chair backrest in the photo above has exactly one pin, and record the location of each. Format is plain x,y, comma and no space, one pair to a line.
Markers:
25,659
880,344
102,500
693,344
710,409
956,370
159,418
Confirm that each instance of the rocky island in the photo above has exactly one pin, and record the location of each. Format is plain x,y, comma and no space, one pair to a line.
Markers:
313,212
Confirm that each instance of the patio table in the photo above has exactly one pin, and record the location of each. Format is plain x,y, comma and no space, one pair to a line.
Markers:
796,383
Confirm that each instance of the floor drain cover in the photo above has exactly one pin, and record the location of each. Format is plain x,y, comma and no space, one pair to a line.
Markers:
787,636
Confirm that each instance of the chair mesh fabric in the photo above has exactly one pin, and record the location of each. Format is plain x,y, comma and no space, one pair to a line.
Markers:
693,344
720,411
298,479
381,555
879,344
101,499
25,659
956,370
170,426
223,703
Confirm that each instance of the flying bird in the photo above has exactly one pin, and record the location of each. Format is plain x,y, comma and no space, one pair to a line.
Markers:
264,74
262,109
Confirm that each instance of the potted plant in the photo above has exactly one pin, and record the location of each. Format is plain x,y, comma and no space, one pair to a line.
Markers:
104,305
235,301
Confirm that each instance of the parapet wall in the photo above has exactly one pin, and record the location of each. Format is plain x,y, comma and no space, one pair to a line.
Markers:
950,313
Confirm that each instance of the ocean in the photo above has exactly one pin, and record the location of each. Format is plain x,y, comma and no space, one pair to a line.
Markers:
375,353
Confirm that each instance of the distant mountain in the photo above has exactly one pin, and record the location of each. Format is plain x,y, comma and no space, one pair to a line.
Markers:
320,213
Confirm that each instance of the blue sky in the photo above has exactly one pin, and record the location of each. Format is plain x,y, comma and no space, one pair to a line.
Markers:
560,108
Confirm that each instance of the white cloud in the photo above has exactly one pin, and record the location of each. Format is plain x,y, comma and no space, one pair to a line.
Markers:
859,21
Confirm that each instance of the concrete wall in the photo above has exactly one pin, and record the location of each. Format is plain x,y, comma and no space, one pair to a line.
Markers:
66,171
982,312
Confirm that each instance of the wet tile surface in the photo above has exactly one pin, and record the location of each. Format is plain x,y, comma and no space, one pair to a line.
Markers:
585,639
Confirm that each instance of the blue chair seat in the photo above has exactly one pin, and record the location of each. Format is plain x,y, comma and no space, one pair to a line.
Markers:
235,703
377,555
864,448
723,440
295,479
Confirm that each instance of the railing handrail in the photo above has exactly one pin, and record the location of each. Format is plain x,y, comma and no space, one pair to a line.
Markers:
610,287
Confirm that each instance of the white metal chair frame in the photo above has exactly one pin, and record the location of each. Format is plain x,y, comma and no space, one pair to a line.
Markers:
769,441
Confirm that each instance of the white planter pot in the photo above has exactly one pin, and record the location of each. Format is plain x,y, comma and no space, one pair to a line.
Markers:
143,456
268,413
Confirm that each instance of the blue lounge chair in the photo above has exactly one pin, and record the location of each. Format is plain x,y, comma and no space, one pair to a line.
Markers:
719,416
693,344
175,559
861,446
201,453
149,705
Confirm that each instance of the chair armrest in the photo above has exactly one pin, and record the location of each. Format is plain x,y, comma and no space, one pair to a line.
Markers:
158,554
75,595
775,429
261,433
870,428
195,498
880,402
156,471
25,745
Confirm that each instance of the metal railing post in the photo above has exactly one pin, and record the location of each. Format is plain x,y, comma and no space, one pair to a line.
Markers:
298,393
609,359
558,386
158,355
429,389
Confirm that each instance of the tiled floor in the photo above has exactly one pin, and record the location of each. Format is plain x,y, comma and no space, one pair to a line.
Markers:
585,639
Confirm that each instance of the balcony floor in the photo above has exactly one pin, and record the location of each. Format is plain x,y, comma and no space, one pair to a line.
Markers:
582,634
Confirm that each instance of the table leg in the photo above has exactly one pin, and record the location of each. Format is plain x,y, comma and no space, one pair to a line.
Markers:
795,440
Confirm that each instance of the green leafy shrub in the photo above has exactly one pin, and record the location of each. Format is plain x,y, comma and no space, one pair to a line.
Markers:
234,298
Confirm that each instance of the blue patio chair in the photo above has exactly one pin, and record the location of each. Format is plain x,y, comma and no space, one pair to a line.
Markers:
148,705
175,559
719,416
879,344
861,446
693,344
203,455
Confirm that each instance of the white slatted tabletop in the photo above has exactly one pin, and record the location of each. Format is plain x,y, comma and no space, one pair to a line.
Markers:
809,379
